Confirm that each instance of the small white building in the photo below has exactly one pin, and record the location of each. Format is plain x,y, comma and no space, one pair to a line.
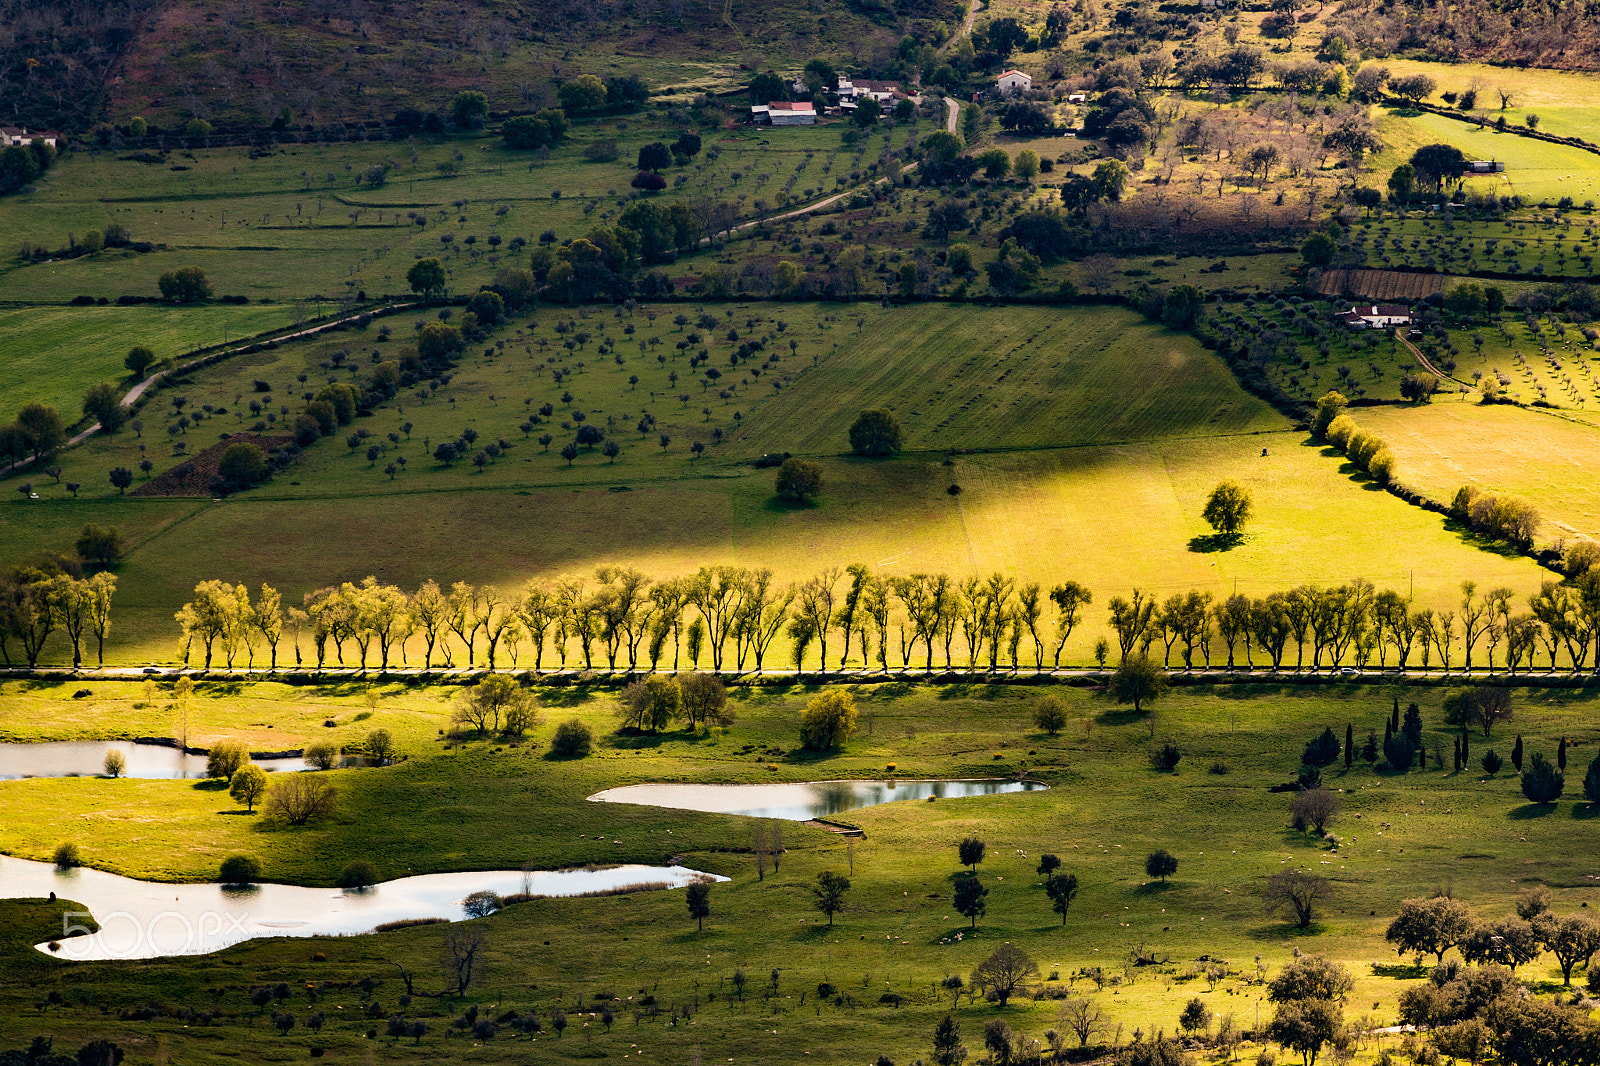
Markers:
1376,316
1486,166
11,136
1077,98
784,113
1014,81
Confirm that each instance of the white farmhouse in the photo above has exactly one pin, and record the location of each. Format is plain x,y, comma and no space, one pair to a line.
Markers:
1014,81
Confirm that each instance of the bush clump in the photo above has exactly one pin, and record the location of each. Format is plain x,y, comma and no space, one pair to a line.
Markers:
572,740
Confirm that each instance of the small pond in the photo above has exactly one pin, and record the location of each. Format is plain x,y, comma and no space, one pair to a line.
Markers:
146,919
87,758
803,800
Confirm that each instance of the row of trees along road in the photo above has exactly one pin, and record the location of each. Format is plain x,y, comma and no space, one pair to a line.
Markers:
739,618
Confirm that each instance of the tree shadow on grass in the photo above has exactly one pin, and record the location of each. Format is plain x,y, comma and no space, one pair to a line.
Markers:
1215,542
565,696
1401,971
1476,540
779,505
1157,888
333,689
35,684
220,688
210,784
632,741
1283,930
1530,811
973,691
1584,811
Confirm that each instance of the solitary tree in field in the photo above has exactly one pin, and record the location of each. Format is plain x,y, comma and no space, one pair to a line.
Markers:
1298,890
1542,782
1138,681
138,360
1062,890
1228,508
426,276
1161,864
249,784
1050,714
799,480
698,897
829,893
971,850
1008,972
875,432
967,897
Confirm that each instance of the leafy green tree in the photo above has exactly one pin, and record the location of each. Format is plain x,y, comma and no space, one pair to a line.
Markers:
1228,508
1439,164
121,477
1329,407
99,546
971,851
1062,890
1573,939
242,465
995,162
947,1047
1429,926
469,108
829,892
1306,1025
184,285
799,480
655,156
582,95
1195,1016
967,896
1137,680
1161,864
41,428
426,276
651,704
138,360
877,432
698,897
1318,249
1050,714
358,874
572,740
103,403
225,758
828,721
1181,306
239,870
1110,177
248,785
1591,782
867,112
1542,782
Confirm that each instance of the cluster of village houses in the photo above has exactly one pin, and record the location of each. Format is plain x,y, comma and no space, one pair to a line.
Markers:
851,91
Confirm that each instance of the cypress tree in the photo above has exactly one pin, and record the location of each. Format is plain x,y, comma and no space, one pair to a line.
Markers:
1591,782
1394,715
1466,749
1349,745
1455,755
1561,755
1516,755
1388,732
1413,725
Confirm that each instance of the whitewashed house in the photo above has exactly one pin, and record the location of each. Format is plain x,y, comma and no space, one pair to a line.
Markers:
1376,316
1014,81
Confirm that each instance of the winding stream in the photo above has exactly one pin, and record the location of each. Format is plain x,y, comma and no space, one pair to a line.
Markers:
800,801
147,919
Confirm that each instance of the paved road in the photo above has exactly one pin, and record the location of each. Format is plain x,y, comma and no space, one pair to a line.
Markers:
955,113
1216,674
144,386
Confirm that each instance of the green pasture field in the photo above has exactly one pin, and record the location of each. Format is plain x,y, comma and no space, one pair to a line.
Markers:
296,224
1543,456
1563,99
482,805
1535,169
1533,243
1105,486
54,354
